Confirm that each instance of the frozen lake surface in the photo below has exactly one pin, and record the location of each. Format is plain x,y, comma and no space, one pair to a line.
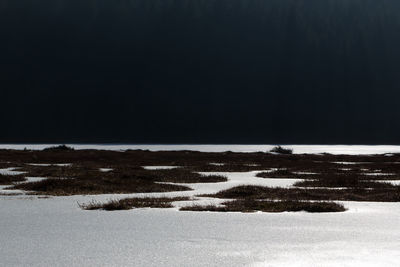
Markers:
299,149
54,231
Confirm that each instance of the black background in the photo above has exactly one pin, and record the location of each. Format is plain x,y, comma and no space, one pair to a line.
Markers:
200,71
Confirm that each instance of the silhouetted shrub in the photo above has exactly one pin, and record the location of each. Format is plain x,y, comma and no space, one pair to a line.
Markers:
281,150
59,148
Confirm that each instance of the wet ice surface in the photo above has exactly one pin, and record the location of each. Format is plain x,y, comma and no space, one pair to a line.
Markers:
56,232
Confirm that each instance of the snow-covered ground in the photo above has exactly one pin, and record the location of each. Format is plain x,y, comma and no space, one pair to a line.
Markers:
299,149
54,231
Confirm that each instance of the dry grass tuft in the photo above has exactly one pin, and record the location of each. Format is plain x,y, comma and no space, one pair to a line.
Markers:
130,203
251,205
9,179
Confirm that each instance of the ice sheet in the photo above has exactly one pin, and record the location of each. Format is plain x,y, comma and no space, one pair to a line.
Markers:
55,232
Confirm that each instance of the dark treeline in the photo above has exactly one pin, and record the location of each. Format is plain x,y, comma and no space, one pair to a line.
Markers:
188,71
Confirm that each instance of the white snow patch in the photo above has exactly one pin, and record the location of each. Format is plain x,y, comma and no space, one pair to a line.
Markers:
216,164
33,179
10,171
379,174
349,162
393,182
160,167
105,169
9,191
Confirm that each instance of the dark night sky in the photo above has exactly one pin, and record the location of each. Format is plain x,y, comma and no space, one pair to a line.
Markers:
200,71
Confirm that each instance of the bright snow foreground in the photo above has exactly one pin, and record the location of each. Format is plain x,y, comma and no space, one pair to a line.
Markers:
56,232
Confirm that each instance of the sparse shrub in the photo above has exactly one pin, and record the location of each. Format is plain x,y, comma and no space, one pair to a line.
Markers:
281,150
59,148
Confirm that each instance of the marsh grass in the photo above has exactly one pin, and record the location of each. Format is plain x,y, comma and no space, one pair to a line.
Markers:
179,175
54,171
252,205
391,194
131,203
10,194
343,180
280,173
81,180
127,175
9,179
101,185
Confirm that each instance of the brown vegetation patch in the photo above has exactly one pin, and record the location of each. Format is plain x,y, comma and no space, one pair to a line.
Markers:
343,180
127,175
251,205
280,173
101,185
10,194
295,194
9,179
54,171
124,179
130,203
179,175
